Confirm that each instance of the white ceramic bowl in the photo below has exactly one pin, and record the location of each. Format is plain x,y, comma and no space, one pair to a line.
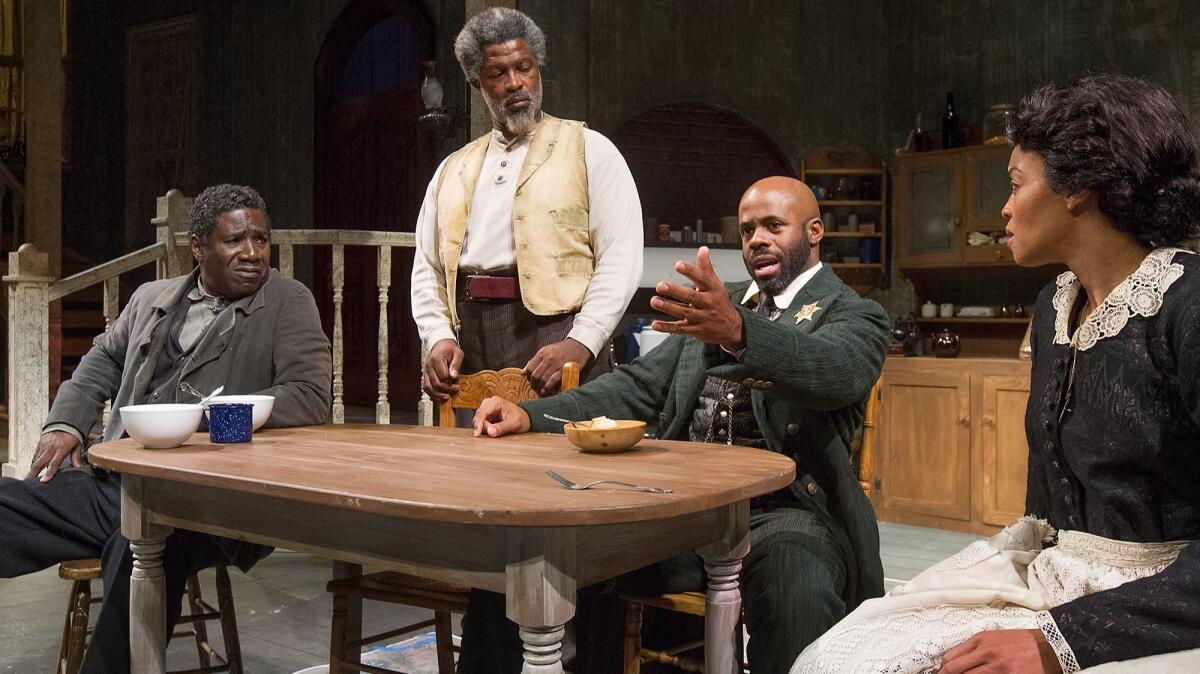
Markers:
262,405
161,426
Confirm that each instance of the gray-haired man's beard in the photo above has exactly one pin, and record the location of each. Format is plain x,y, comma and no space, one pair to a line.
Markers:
520,122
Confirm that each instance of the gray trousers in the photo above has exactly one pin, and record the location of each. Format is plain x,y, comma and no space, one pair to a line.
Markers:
792,584
77,515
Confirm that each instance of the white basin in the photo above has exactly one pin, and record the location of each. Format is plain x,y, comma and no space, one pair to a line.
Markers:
262,405
161,426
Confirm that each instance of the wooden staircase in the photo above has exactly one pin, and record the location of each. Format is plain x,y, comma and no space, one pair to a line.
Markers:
82,321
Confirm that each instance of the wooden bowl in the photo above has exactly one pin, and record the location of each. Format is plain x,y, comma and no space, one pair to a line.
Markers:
605,441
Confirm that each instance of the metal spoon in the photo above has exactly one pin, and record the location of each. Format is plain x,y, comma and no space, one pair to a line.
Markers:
568,421
203,398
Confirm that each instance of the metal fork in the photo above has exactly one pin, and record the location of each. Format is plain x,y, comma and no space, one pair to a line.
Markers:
571,485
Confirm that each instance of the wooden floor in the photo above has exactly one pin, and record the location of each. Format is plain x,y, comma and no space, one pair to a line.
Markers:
283,609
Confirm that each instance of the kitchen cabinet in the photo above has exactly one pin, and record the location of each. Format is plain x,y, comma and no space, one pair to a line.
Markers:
943,196
952,451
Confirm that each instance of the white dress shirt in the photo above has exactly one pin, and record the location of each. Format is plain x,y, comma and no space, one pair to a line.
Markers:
784,299
614,220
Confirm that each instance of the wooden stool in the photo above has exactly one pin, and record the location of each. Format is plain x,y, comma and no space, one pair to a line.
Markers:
82,572
443,599
682,656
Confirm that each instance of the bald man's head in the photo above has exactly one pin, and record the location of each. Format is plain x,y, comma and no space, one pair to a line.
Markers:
781,229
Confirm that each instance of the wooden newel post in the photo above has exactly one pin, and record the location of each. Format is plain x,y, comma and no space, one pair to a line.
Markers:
173,209
28,284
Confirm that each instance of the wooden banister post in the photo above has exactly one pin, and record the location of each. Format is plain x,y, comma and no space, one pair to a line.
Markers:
173,209
28,284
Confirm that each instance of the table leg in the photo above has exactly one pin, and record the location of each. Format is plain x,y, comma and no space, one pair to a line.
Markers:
543,649
147,586
353,618
723,603
540,593
147,608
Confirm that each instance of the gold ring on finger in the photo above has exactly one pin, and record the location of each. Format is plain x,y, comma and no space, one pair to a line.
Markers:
691,296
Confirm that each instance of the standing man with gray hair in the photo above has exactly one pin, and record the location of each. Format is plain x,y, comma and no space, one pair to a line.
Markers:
529,241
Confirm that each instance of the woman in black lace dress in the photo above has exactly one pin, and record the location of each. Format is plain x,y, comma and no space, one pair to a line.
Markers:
1104,180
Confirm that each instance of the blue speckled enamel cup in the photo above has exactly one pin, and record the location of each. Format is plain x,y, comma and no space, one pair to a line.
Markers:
230,422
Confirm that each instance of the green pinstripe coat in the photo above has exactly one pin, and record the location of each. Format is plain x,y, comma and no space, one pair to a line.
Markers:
810,380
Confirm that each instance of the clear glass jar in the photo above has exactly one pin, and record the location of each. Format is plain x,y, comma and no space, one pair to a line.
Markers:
995,124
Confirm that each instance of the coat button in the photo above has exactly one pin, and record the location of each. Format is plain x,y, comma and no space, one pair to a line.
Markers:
812,488
767,384
793,428
748,381
662,418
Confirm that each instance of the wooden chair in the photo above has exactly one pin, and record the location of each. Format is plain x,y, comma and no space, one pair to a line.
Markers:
76,630
444,599
692,603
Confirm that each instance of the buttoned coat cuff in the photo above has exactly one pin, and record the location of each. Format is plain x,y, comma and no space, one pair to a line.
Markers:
66,428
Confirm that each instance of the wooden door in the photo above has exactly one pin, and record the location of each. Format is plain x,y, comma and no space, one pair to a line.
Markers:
372,164
1004,452
928,217
924,459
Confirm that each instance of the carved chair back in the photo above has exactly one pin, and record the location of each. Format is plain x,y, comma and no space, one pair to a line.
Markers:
509,383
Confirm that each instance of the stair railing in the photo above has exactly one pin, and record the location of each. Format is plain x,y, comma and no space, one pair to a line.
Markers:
31,289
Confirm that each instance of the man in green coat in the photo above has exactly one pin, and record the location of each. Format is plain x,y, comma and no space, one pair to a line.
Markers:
784,362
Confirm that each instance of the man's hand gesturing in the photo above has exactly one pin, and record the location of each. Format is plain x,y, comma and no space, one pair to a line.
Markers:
705,311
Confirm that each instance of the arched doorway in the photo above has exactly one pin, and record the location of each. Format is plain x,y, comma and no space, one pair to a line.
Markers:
372,163
693,160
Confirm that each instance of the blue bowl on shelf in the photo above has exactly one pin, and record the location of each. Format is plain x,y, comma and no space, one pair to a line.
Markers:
230,423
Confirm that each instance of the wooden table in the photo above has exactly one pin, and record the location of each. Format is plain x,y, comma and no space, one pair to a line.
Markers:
442,504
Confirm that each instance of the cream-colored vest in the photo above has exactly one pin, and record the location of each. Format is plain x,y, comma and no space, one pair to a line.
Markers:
549,217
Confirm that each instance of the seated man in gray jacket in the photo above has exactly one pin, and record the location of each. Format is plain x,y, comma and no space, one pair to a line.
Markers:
232,321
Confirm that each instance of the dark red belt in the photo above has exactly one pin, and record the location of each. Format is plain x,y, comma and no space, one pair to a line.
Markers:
488,288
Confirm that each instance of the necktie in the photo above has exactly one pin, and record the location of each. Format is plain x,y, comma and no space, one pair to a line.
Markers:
766,305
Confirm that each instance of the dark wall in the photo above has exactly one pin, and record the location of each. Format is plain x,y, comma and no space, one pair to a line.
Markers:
93,170
810,72
996,51
807,73
256,95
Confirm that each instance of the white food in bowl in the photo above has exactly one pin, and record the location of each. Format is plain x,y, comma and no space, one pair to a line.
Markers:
602,424
161,426
262,405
